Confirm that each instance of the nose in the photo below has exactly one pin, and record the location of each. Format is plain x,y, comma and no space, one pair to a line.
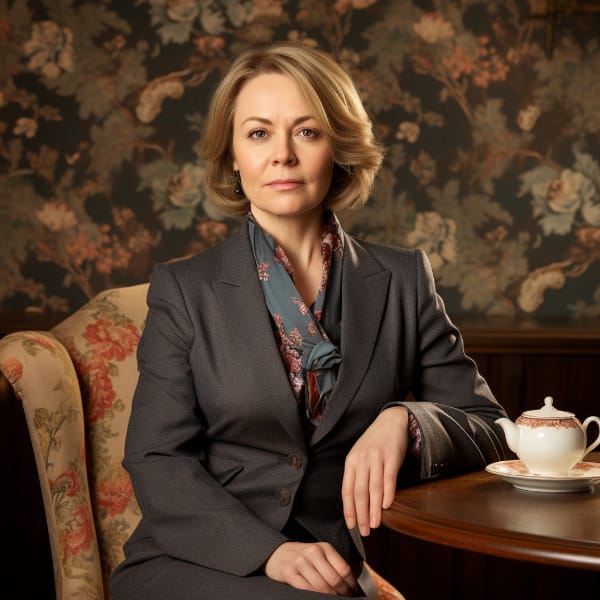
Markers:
283,152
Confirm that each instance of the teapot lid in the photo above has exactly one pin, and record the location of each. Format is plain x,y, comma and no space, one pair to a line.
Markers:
548,411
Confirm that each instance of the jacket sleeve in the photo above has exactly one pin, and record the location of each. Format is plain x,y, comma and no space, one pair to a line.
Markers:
188,514
452,403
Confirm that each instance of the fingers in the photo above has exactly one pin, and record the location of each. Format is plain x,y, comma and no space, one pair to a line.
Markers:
348,495
363,493
371,469
316,567
342,569
361,500
305,576
327,571
376,493
389,485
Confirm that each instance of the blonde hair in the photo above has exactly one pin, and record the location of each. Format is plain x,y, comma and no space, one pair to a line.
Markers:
332,94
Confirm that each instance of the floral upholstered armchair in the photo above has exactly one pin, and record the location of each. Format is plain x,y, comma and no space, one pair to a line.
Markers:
76,383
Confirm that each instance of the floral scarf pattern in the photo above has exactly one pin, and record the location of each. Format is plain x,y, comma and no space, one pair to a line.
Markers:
310,355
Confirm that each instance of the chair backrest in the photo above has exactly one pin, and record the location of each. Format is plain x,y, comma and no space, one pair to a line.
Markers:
76,383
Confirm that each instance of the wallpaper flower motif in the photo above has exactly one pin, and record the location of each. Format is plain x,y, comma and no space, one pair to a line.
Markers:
492,141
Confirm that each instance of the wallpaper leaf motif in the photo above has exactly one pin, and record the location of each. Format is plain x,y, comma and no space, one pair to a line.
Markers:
492,142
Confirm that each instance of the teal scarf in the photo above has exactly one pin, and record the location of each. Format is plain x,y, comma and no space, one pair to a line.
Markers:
309,353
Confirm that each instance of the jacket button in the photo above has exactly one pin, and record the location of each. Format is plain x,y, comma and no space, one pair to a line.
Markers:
295,461
285,496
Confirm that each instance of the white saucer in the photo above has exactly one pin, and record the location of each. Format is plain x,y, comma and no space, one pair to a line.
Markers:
581,477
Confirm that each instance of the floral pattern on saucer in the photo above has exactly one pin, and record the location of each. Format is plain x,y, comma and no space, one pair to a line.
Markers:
581,477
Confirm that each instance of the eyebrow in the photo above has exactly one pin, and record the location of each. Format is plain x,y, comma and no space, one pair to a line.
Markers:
269,122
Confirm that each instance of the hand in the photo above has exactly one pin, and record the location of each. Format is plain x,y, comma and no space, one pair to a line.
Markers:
371,469
317,567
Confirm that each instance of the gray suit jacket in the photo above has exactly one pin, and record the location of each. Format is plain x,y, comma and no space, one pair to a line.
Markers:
215,446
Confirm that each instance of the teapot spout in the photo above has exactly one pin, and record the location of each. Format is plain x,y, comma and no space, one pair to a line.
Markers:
511,432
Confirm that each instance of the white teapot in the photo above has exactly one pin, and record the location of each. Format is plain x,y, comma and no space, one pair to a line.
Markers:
549,442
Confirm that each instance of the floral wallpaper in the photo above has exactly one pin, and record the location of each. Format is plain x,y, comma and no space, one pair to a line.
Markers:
490,119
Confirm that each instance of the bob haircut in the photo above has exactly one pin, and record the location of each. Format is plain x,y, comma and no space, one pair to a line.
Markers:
331,94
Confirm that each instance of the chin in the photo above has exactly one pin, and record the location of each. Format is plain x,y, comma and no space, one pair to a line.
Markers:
291,208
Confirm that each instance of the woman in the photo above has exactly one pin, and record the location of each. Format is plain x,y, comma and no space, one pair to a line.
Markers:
289,375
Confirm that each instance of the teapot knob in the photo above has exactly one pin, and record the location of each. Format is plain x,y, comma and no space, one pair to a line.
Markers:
548,411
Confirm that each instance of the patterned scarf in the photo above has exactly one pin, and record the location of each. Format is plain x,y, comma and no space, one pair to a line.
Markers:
309,353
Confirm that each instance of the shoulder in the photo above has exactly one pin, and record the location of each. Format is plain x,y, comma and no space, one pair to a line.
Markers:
209,265
392,258
388,253
409,268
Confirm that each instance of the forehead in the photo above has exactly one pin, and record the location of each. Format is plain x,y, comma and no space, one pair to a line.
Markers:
271,95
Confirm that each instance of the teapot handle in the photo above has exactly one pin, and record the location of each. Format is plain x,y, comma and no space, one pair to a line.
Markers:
585,424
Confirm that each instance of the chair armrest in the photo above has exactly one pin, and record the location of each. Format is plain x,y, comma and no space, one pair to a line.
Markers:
42,374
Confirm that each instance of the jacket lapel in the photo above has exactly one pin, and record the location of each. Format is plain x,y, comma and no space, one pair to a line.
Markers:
365,286
252,335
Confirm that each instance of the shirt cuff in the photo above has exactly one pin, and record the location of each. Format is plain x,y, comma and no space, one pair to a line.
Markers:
414,436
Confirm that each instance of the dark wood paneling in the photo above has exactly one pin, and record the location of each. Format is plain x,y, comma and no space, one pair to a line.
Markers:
499,335
425,571
10,322
521,381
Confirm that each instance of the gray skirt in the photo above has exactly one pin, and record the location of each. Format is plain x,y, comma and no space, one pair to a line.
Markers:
165,578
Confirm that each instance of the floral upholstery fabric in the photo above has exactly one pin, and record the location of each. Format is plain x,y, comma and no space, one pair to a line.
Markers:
76,383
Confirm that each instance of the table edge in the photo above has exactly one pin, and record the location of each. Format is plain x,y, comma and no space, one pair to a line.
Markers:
494,542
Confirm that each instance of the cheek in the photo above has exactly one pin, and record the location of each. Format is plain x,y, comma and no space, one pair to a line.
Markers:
240,153
248,161
325,170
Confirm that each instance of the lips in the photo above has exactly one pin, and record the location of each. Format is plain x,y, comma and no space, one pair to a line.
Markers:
284,184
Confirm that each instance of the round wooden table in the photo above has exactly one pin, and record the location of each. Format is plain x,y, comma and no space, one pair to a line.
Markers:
482,513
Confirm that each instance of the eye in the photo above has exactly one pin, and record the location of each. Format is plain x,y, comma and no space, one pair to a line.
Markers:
257,134
307,132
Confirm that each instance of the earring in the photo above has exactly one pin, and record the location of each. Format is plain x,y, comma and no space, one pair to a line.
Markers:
238,190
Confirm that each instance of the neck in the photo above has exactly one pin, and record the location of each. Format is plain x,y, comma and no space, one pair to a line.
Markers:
299,236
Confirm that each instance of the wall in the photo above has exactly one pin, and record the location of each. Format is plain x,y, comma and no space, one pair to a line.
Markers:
490,118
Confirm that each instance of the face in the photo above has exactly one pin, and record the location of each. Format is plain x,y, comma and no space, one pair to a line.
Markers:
279,148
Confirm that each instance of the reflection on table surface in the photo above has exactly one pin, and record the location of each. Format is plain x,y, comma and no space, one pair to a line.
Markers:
481,512
565,515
